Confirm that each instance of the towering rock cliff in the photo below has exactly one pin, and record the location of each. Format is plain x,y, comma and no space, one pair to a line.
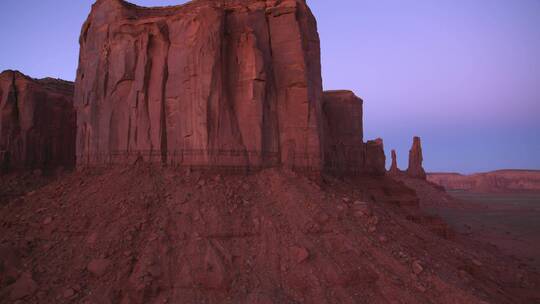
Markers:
221,83
415,168
37,122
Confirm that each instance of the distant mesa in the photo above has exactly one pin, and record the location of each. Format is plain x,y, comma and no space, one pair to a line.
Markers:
503,181
37,123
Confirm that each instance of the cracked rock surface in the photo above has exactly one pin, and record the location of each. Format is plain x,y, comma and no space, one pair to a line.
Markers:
220,83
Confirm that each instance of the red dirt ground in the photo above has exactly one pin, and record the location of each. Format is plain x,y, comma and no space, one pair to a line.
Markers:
151,235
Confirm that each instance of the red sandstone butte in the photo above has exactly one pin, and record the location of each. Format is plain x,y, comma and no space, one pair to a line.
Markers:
415,168
345,151
375,159
344,146
37,122
219,83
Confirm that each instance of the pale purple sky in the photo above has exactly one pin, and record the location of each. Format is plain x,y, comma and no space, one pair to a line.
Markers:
462,74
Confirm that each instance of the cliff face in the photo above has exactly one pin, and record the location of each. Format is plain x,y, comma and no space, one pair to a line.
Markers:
37,122
222,83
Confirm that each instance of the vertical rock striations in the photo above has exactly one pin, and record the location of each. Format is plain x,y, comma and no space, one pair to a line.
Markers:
219,83
37,122
415,168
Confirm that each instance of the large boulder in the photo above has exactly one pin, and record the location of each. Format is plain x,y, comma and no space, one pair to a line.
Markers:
415,168
37,122
233,83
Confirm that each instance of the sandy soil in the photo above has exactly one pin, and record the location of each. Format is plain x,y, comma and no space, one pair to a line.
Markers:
510,221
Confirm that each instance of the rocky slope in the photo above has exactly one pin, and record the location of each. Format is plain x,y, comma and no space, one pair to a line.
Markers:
37,122
147,235
496,181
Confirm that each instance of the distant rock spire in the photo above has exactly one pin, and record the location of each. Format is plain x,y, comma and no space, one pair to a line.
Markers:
394,170
415,160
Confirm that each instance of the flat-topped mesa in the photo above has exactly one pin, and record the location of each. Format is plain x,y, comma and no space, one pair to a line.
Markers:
344,147
394,169
209,83
37,122
415,168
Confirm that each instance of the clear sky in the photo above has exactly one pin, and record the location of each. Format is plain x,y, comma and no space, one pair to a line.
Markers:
462,74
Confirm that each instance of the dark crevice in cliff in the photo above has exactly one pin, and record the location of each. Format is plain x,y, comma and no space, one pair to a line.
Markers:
213,121
128,135
106,70
164,139
273,118
164,30
146,88
15,94
269,33
227,105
